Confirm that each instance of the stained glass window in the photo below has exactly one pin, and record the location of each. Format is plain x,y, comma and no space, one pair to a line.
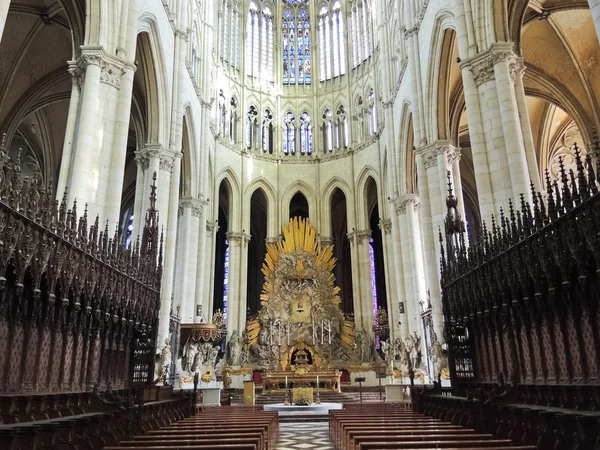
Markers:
361,35
252,128
259,44
373,279
267,132
305,134
332,54
226,281
289,134
295,43
229,33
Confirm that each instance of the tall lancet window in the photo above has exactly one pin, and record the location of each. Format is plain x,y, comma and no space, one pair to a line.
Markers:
373,125
328,134
332,57
267,132
296,42
252,128
229,29
305,134
342,129
289,134
259,41
361,35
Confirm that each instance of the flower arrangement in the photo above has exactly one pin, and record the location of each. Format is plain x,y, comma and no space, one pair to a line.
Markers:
302,402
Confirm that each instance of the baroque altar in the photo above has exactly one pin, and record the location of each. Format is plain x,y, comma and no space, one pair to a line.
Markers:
300,333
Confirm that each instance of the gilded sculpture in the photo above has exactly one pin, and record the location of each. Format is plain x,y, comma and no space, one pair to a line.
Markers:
300,307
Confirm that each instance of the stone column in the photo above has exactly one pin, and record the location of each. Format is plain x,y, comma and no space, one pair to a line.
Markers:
200,276
169,251
119,148
209,267
142,167
391,280
184,289
509,112
360,239
83,180
3,15
400,272
432,167
595,10
517,70
485,192
67,154
406,208
236,307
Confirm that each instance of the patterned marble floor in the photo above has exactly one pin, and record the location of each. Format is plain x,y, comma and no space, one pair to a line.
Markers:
304,436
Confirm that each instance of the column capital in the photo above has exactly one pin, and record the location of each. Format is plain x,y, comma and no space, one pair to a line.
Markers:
112,67
359,236
212,227
430,153
403,202
482,64
272,240
326,241
237,238
385,225
454,155
197,206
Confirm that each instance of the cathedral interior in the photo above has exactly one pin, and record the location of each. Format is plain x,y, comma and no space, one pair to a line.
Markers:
379,214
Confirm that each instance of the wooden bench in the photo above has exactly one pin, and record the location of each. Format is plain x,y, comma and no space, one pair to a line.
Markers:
213,428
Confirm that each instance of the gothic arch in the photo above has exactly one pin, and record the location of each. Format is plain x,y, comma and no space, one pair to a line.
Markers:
286,198
439,77
362,216
326,194
151,58
234,196
269,192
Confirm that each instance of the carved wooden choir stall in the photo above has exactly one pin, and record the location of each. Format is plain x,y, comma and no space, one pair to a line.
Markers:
522,319
78,314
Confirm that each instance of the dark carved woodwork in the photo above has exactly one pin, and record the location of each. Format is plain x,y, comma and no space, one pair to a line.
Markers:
78,314
522,319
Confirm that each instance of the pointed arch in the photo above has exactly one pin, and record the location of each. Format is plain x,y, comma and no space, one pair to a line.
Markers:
362,217
150,55
293,189
326,194
233,184
271,196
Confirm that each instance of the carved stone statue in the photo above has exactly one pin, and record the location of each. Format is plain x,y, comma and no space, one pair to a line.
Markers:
440,361
234,348
414,350
364,346
165,358
388,353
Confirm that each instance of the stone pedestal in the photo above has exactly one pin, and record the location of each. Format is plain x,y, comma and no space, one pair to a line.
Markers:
395,393
211,393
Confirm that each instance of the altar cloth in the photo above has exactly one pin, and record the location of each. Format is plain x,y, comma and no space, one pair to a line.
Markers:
284,410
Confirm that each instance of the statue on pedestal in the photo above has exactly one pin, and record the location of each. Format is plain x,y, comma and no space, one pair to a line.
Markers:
234,349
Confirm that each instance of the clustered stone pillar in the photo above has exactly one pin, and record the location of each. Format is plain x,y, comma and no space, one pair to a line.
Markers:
511,161
595,10
361,280
236,290
411,255
391,281
435,163
190,212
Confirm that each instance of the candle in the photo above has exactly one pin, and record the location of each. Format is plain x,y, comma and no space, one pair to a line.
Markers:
286,381
322,330
329,333
317,381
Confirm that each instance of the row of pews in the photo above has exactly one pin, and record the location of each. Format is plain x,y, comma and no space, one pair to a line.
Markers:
231,428
384,426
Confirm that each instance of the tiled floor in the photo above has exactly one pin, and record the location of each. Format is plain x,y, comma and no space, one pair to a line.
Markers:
304,436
